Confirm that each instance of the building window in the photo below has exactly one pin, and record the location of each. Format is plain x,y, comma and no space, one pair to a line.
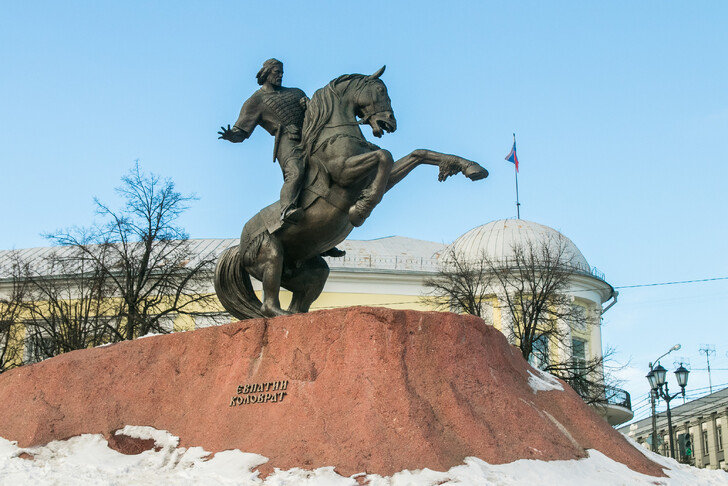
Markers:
719,436
706,444
486,312
38,347
579,380
578,317
578,353
211,319
539,357
166,323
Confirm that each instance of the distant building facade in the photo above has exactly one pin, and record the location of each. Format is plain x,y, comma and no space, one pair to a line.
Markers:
703,420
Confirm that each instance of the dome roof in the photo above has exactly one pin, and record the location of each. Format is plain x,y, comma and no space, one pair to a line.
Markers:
497,239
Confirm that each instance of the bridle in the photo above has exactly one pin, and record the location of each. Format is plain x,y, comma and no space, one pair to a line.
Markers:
366,116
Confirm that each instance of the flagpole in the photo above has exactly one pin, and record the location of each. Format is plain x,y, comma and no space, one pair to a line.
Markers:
515,169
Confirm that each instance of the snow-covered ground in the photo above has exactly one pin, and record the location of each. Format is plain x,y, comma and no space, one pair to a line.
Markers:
87,460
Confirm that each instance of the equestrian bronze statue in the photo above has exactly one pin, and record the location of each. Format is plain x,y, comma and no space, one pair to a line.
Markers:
344,179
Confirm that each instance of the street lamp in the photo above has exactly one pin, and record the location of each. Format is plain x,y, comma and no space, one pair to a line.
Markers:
658,384
652,378
660,375
681,375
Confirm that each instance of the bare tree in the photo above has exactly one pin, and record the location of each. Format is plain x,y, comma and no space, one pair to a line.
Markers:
12,296
68,304
145,257
531,289
461,285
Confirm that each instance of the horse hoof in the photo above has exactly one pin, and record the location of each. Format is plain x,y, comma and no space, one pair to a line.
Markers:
272,311
475,172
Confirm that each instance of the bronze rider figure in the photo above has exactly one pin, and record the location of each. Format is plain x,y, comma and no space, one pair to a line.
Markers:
280,111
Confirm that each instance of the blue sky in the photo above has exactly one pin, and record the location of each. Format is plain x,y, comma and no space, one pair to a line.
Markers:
620,110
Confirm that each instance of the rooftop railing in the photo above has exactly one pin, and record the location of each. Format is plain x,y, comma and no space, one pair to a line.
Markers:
394,262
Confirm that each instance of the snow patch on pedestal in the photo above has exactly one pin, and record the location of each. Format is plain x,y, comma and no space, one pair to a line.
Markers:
161,438
543,382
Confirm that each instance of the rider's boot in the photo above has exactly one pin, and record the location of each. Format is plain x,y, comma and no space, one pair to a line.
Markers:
334,253
292,215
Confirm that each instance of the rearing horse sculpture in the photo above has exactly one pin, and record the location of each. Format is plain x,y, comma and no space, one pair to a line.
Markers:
345,179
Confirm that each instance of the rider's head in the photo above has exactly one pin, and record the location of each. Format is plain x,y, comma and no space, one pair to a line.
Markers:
272,72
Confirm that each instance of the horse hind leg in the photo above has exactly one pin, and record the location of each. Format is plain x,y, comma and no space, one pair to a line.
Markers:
268,267
305,283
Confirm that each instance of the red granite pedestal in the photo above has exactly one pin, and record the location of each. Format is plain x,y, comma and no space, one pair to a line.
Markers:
362,389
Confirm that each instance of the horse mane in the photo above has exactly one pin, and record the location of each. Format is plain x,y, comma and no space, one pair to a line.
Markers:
321,106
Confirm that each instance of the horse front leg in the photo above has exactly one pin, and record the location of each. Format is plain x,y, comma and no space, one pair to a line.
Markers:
361,166
448,164
306,283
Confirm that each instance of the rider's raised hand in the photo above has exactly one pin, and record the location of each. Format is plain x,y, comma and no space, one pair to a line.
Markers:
234,135
225,133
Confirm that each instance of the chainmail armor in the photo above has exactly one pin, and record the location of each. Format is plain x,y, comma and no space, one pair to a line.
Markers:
287,108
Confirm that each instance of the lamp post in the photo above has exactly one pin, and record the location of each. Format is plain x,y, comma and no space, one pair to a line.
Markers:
658,384
653,397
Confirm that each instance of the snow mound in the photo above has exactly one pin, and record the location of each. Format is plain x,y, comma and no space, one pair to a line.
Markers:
87,460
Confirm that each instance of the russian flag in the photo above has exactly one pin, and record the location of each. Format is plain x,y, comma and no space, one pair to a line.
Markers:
512,157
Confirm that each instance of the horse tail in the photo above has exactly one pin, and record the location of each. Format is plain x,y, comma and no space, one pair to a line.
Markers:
233,287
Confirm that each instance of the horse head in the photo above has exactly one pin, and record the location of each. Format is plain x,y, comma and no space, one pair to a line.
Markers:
373,105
